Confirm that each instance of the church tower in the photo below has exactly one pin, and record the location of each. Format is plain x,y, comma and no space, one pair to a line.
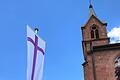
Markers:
102,59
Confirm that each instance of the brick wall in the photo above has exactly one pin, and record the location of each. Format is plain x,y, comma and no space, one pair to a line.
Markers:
104,65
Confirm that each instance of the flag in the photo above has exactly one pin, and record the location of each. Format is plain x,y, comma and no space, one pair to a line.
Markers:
35,55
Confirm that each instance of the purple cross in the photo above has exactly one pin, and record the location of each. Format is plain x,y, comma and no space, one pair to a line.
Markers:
36,47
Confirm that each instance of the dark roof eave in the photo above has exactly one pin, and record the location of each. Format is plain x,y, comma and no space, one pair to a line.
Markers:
106,47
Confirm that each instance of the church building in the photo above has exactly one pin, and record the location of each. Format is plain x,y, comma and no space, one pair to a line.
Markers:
102,59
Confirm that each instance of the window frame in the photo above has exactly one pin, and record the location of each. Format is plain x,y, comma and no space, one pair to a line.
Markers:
94,32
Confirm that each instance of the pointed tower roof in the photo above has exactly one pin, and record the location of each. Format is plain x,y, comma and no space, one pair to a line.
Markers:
91,11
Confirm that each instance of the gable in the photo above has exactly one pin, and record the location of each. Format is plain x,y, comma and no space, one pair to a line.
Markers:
94,20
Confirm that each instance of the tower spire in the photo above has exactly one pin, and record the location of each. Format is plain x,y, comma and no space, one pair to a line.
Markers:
91,10
90,1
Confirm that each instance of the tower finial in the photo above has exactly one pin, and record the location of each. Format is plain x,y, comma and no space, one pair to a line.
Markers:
90,1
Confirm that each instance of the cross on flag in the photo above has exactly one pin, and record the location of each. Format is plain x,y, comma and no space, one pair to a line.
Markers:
35,55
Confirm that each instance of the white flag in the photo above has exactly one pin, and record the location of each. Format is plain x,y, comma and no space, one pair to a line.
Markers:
35,55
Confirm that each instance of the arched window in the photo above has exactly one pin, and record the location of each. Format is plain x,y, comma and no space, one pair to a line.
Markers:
94,32
117,68
97,33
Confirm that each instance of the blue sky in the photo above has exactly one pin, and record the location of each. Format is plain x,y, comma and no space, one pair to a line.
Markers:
59,22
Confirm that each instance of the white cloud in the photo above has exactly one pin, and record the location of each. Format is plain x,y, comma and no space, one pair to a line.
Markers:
114,35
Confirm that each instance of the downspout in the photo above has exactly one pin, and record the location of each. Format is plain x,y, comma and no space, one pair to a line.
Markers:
88,76
93,61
